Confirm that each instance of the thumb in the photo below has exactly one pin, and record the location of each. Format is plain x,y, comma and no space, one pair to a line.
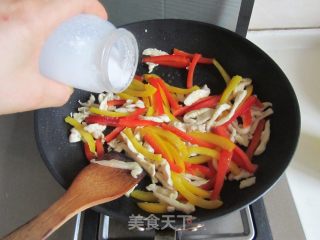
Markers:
54,94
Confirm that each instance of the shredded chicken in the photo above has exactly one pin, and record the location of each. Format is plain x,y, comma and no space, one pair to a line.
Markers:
138,157
247,182
134,167
196,95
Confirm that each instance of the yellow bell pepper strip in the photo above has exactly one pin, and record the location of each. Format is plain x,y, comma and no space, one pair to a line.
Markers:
195,190
172,138
108,113
143,196
141,149
196,57
149,91
137,85
149,76
87,137
164,97
234,82
198,159
172,89
153,207
224,144
173,102
178,159
146,102
150,111
214,139
204,151
157,99
185,136
223,166
192,198
169,114
127,97
160,147
178,90
221,70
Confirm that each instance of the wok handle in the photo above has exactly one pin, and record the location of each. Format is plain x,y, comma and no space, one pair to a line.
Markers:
43,225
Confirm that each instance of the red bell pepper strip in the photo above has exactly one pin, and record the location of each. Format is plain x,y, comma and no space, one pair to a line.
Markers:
207,102
173,103
259,103
112,121
132,122
242,160
102,120
209,185
186,136
202,60
211,167
197,168
214,173
137,77
89,155
158,106
242,108
221,130
136,113
158,150
246,118
191,69
223,166
255,138
116,102
113,134
169,60
100,149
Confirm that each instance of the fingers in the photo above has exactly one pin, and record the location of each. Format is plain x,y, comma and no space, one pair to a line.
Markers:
52,93
32,93
51,14
96,8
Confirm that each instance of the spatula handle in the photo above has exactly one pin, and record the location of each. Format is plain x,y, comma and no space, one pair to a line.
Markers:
48,221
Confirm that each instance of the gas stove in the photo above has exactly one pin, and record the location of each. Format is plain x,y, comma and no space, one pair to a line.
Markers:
246,224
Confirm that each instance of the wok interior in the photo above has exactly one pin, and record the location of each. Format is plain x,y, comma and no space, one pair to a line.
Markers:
238,56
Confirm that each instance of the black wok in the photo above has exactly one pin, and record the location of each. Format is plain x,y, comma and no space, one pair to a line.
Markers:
238,56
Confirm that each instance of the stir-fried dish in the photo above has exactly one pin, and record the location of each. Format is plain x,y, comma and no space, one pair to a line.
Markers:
188,140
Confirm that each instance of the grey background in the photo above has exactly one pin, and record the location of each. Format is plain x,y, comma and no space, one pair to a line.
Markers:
223,13
26,186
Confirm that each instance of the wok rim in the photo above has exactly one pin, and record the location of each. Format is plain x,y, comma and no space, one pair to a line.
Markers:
239,205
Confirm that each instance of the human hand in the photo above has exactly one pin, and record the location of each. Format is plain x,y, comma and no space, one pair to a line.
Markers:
24,28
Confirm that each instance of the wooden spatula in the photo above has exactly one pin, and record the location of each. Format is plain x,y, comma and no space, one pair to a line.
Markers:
95,184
